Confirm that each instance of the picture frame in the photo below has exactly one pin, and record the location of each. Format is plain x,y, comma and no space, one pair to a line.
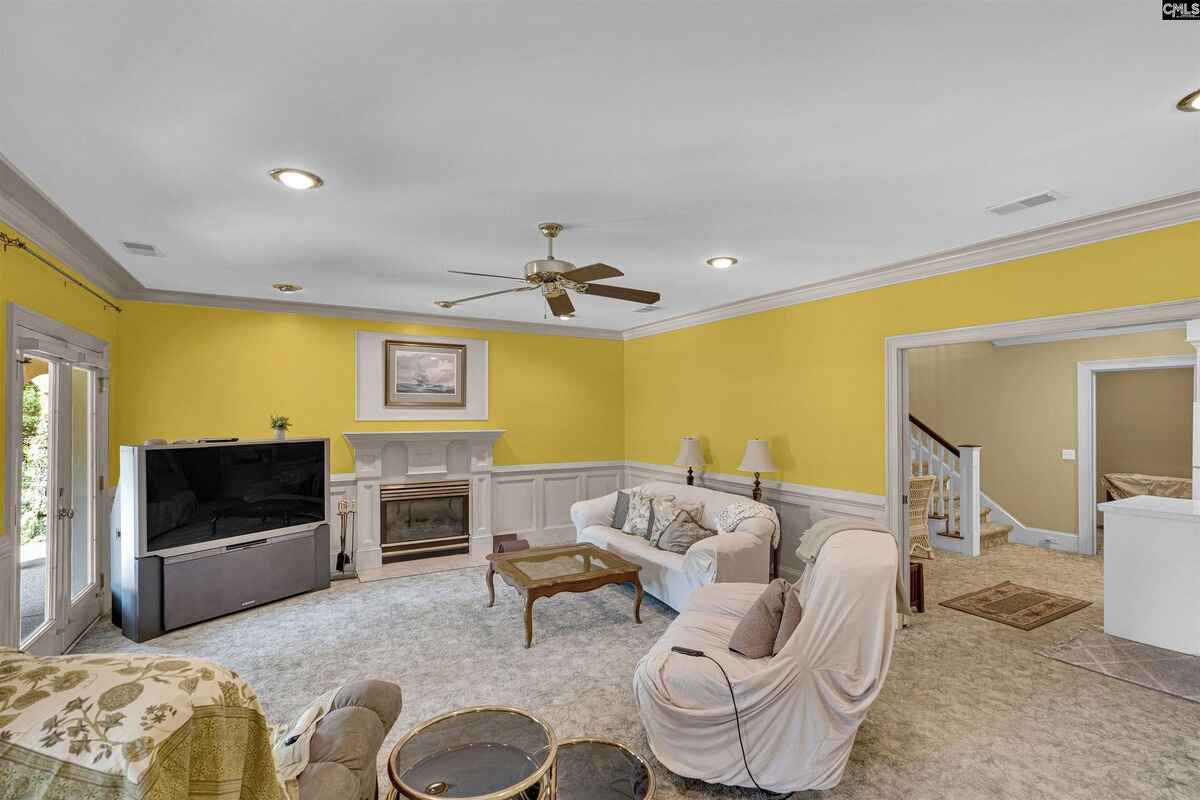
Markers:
424,374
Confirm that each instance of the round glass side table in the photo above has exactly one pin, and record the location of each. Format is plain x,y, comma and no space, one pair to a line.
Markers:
600,769
488,753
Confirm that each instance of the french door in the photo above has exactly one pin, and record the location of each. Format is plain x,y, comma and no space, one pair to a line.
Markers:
59,477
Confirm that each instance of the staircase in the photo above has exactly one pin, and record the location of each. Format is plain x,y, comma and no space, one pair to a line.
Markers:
934,455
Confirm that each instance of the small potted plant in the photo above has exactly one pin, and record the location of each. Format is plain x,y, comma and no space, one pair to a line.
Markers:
281,426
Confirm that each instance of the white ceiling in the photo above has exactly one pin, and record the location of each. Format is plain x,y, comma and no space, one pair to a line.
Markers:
809,142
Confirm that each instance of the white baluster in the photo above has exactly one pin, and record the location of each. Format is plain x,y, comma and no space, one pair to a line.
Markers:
941,486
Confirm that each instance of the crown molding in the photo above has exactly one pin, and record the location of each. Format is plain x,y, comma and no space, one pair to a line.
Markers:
36,216
1091,333
369,314
1161,213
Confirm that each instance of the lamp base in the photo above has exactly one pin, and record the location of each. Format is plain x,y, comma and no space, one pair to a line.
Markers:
757,493
689,477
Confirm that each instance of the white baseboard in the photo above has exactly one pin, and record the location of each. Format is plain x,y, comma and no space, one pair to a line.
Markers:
1041,537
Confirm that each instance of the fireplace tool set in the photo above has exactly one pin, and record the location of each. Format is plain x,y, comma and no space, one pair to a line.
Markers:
346,512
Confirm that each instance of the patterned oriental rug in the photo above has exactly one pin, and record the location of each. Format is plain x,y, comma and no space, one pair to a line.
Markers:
1016,605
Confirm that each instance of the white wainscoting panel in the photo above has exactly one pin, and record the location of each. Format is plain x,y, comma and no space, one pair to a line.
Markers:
534,501
798,505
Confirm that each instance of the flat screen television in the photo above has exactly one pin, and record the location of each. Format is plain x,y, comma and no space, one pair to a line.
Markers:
197,497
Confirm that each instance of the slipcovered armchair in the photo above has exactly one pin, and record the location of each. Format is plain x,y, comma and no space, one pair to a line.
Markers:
800,709
741,555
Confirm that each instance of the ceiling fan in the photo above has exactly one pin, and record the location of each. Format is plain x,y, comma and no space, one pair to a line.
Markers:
553,277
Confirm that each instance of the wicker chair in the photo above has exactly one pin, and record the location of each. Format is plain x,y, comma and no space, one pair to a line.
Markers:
920,495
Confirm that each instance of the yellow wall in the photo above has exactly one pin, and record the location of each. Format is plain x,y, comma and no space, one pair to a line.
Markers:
28,283
189,372
811,377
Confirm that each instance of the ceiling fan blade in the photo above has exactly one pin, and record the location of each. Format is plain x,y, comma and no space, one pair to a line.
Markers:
488,294
485,275
560,305
622,293
592,272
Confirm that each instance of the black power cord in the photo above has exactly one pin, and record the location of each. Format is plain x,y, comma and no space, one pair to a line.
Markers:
687,651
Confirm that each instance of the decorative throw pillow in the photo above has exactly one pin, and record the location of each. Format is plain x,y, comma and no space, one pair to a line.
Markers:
790,619
621,511
666,510
754,636
637,520
682,533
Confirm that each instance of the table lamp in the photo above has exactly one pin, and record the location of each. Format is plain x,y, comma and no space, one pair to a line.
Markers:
691,454
757,459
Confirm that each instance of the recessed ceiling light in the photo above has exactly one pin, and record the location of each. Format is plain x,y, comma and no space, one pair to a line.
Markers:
1190,102
566,316
443,304
296,178
287,288
721,262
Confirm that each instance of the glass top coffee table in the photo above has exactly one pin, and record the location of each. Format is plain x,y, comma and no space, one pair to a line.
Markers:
490,752
546,571
600,769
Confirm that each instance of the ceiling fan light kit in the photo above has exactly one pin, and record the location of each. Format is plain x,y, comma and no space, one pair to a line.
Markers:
554,277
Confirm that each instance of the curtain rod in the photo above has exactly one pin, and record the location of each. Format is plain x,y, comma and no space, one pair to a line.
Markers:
7,241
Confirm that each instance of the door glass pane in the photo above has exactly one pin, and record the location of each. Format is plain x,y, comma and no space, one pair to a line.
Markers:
82,481
35,491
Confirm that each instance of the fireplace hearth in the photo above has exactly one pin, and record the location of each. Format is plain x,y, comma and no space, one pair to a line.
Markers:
423,520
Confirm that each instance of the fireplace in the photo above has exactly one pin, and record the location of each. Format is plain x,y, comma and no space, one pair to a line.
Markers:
420,520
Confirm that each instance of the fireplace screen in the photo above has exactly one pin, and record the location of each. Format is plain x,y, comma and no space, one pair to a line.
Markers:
422,520
413,520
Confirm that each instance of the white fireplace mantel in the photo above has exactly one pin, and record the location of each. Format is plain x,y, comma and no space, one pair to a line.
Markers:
394,457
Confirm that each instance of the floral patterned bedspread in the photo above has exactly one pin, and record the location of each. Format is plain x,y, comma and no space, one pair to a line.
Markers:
94,727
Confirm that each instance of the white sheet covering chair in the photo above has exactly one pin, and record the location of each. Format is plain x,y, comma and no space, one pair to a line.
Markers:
800,709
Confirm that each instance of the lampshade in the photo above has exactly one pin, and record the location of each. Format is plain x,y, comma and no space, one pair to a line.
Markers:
757,457
691,454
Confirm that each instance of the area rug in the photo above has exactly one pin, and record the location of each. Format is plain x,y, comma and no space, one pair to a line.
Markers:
1165,671
1016,605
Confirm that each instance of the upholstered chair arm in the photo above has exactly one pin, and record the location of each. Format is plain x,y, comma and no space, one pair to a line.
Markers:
729,557
597,511
758,527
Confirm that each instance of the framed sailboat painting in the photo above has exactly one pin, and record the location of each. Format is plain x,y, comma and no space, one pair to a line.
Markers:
424,375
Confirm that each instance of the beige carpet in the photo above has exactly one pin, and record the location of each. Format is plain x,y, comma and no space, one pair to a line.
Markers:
1166,671
1016,605
969,711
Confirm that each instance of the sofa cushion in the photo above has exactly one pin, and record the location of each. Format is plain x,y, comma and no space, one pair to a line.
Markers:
621,510
637,521
347,740
682,533
790,620
664,511
754,636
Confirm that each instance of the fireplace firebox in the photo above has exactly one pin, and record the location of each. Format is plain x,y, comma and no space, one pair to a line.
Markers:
421,520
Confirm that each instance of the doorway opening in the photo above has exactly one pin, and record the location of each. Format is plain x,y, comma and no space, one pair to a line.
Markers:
56,441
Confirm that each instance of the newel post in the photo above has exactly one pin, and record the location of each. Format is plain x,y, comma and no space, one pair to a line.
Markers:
968,499
1193,337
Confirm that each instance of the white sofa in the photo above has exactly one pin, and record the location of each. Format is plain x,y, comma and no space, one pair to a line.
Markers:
742,555
799,709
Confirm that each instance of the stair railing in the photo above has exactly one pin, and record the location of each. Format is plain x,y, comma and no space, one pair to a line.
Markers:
957,487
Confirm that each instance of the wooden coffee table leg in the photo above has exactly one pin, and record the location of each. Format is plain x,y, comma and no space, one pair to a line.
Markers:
529,620
491,588
637,600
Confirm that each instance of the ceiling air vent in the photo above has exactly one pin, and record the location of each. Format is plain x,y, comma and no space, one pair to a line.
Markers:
1025,202
646,309
141,249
